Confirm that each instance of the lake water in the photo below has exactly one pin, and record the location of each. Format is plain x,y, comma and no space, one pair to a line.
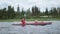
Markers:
8,28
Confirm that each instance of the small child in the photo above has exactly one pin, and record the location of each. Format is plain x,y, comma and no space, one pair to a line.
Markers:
23,21
36,22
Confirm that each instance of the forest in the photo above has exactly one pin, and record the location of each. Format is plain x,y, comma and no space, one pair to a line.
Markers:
33,13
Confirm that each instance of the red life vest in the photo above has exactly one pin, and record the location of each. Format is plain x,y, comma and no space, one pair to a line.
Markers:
23,22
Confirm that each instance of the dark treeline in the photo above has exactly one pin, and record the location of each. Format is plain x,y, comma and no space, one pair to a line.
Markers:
34,12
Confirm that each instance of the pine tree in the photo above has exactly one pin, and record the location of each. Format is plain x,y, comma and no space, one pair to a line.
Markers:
35,11
46,11
28,13
22,13
18,10
55,13
11,12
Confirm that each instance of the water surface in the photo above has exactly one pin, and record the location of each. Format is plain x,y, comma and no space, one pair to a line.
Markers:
8,28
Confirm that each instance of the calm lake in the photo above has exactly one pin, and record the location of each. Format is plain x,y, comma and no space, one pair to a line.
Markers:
8,28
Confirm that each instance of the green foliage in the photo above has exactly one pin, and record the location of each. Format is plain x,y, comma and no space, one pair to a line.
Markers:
58,10
46,11
28,13
51,12
7,14
11,14
55,12
22,13
3,14
35,11
18,10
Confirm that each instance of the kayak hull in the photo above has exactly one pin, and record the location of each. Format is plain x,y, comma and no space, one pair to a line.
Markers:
40,23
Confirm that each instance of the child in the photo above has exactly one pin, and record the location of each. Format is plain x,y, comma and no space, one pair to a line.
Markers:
23,21
36,22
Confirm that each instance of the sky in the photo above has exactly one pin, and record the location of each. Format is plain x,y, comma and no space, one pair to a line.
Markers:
25,4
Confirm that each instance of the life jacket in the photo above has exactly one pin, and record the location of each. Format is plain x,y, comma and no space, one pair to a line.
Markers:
23,22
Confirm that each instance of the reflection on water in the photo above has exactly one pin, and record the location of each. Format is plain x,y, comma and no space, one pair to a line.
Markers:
7,28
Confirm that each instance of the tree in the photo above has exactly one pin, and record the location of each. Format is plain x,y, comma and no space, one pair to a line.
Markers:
1,13
22,13
4,16
11,12
18,10
51,12
55,13
35,11
58,10
46,11
28,13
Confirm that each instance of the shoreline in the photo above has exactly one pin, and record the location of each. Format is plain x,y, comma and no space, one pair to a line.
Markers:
26,20
32,19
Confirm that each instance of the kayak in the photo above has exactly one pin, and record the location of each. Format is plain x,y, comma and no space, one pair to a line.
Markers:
38,23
